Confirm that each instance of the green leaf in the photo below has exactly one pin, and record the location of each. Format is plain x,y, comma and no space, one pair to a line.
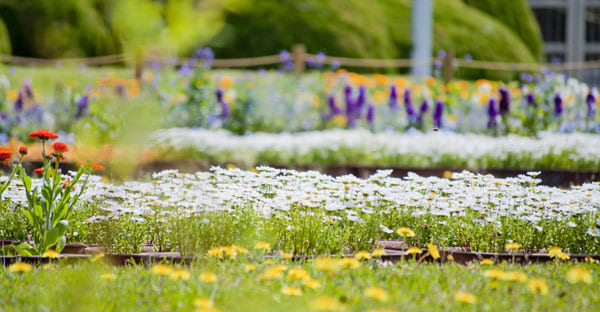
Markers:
62,241
55,233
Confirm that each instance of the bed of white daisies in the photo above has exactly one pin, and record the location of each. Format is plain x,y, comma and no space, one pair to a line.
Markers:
578,151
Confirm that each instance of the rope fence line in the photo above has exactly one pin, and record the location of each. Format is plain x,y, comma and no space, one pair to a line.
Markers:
302,57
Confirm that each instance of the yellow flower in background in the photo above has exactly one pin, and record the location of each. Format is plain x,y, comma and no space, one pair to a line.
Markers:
556,252
20,267
12,95
328,264
291,291
579,275
262,246
381,79
286,255
378,252
538,286
350,263
405,232
450,258
108,276
312,283
269,262
316,101
161,269
433,251
362,255
215,252
414,251
487,262
376,293
209,277
180,274
274,272
512,246
203,303
297,274
484,98
494,274
230,251
231,166
326,303
226,82
380,96
97,257
514,277
447,174
590,260
50,254
339,120
249,267
465,297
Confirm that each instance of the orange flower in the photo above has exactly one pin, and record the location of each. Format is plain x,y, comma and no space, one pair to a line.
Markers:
23,150
38,171
5,154
43,134
60,147
97,166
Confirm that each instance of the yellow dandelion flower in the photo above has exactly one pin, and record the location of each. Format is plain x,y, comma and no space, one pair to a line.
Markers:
376,293
447,174
326,303
108,276
378,252
433,251
180,274
297,274
274,272
579,275
269,262
239,249
249,267
538,286
286,255
328,264
291,291
215,252
486,262
590,260
514,277
230,252
161,269
312,283
20,267
262,246
203,303
556,252
512,246
208,277
97,257
405,232
362,255
51,254
450,258
414,251
494,274
465,297
350,263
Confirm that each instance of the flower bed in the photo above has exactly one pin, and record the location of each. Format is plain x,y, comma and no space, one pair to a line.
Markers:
574,151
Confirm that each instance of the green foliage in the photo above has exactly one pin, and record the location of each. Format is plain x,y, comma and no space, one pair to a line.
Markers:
4,39
517,15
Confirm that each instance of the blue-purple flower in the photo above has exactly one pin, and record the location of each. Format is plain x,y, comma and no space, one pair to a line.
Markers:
393,101
558,105
82,106
492,114
422,110
224,106
370,114
286,60
410,111
590,100
531,100
438,111
334,108
19,102
206,55
504,105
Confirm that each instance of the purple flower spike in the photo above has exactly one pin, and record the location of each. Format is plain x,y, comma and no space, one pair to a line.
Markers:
438,111
531,100
504,101
27,88
410,111
558,105
19,102
334,108
393,98
422,110
371,114
349,101
362,97
82,106
590,100
219,95
492,113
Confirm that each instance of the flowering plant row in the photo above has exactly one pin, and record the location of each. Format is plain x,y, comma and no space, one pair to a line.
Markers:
577,151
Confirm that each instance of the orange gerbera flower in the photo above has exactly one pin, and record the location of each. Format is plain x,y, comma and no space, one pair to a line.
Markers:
97,166
43,134
60,147
5,154
23,150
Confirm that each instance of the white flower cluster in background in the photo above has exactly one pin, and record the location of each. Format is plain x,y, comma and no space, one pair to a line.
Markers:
273,192
383,148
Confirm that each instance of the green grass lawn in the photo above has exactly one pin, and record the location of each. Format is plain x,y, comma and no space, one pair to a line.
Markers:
251,283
